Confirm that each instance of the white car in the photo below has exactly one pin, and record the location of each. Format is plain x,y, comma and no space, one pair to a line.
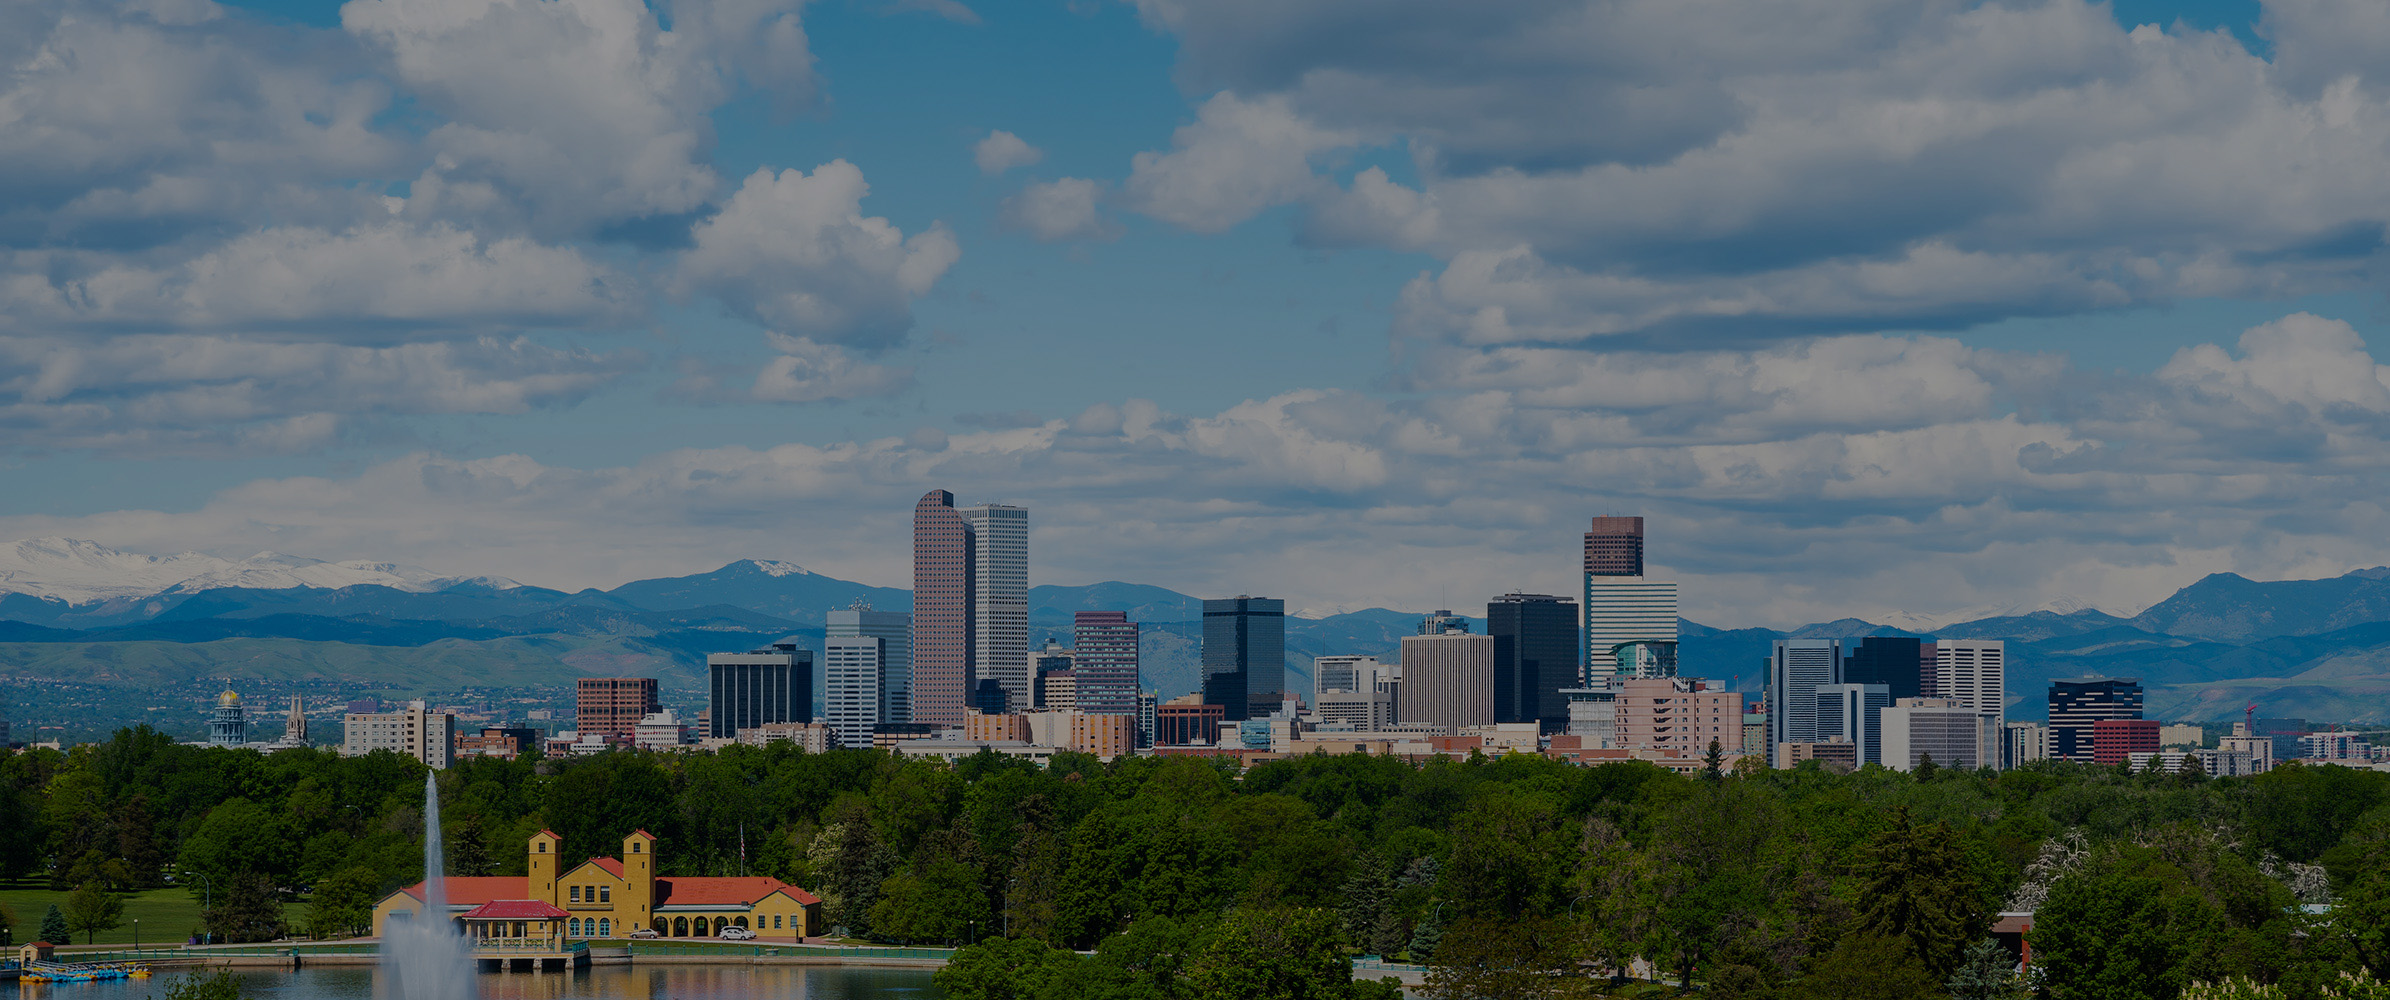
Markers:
735,934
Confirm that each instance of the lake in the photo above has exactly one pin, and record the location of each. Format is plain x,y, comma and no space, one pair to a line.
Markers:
648,982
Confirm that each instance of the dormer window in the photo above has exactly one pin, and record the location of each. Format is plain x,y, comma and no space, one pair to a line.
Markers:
636,847
543,847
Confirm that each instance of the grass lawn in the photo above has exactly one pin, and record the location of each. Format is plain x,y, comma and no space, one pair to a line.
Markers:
167,915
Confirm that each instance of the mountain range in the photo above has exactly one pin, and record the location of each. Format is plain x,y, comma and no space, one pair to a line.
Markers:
76,612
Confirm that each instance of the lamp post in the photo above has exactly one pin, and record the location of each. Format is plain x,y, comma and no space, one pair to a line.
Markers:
136,935
207,891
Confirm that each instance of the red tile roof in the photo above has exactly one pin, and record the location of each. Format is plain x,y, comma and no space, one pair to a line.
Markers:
682,890
611,865
544,832
471,890
515,909
800,895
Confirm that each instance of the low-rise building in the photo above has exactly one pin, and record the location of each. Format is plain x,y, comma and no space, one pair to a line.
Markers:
1836,756
661,731
502,743
1680,715
2115,741
812,737
606,898
1948,730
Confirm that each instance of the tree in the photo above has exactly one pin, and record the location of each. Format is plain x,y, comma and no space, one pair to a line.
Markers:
2117,936
1915,885
1926,768
1279,954
247,908
1427,936
1003,969
92,909
1866,967
2363,916
1713,763
1986,973
1528,960
342,905
53,927
472,852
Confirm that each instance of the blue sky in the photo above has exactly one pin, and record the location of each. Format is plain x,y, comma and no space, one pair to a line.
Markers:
1871,307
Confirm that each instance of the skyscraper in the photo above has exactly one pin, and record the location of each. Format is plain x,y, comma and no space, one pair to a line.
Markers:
1447,681
1973,672
2078,704
1796,669
758,687
852,671
1620,605
894,629
942,678
1854,713
1105,662
1000,597
1244,655
1535,657
1900,663
970,606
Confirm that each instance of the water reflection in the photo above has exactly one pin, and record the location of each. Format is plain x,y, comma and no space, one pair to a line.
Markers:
653,982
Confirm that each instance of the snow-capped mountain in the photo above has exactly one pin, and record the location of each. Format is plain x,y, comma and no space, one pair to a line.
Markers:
84,572
1920,621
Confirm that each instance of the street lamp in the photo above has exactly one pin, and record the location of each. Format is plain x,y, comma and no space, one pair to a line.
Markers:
136,935
207,891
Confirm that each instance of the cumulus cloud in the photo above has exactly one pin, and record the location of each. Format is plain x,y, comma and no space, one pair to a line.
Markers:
809,372
1655,168
1238,158
1066,209
566,116
794,252
152,394
374,280
1793,482
1002,151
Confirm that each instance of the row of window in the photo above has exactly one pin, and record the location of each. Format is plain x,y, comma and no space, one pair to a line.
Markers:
595,926
597,894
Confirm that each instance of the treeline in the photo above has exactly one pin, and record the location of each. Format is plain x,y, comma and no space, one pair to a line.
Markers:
1510,875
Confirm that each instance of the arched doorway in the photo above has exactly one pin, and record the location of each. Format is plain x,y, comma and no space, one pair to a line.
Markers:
741,921
680,927
663,928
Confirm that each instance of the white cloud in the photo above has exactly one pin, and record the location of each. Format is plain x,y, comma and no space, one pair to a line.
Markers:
807,372
1659,167
1790,483
1066,209
1002,151
1238,158
794,252
377,280
185,394
566,116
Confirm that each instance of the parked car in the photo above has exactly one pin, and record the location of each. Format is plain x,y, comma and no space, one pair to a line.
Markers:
735,934
644,933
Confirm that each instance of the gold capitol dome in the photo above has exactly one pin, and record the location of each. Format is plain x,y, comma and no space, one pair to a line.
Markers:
229,699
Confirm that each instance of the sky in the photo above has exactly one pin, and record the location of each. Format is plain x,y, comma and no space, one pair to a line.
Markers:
1868,307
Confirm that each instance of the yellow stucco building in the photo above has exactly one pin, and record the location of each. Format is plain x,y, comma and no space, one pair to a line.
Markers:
613,897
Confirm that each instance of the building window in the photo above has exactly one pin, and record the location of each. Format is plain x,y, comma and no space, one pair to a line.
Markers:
635,845
543,847
573,927
775,921
576,893
605,927
605,894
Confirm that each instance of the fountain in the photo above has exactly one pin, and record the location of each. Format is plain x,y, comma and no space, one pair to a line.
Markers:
425,957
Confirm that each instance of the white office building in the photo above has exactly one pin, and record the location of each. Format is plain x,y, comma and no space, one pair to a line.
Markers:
1623,609
1000,598
1341,673
1973,672
852,670
1948,730
894,629
2022,743
414,731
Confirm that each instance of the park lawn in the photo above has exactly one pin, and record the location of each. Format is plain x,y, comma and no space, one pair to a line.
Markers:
167,915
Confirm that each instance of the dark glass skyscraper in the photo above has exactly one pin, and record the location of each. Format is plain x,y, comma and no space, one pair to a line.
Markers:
1535,656
1899,663
1244,655
2078,704
758,687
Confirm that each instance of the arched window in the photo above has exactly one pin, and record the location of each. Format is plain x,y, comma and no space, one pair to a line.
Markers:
742,921
680,927
605,927
662,926
573,927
